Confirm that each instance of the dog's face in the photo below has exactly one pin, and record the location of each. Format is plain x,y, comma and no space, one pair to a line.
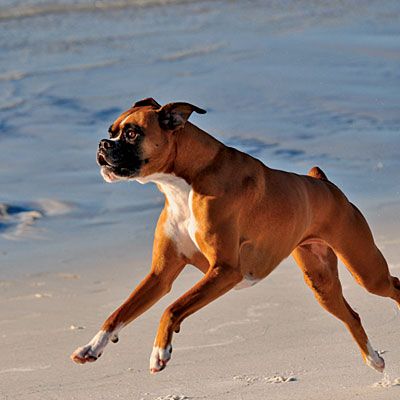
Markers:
142,140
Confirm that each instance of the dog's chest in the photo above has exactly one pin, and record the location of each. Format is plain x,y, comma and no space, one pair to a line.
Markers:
180,224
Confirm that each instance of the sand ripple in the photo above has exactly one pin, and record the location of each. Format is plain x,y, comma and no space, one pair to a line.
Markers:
172,397
24,369
249,380
387,382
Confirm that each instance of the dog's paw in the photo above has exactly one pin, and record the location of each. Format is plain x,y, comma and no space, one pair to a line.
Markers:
93,350
85,354
374,360
159,358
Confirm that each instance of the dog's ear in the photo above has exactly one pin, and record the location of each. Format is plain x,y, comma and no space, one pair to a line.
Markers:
149,101
173,116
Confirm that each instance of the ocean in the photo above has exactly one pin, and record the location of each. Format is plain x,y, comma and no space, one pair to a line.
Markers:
294,83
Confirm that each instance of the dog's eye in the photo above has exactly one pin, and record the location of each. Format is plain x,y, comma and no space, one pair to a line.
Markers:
131,135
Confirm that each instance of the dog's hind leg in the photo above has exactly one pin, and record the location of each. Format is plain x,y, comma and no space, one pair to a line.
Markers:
356,248
319,265
350,237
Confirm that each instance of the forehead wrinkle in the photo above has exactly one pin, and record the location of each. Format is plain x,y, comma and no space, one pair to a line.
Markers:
124,120
137,117
140,119
115,127
120,124
122,117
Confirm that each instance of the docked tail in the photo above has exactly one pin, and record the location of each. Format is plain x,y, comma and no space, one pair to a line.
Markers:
317,173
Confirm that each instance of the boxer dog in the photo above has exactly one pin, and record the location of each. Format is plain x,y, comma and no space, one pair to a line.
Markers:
235,219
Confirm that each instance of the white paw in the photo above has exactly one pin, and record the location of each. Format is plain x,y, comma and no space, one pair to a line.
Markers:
159,358
374,360
93,350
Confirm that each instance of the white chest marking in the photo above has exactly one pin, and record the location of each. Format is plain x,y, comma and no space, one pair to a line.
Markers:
180,225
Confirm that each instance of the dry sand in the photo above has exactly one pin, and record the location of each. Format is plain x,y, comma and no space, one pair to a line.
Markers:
269,341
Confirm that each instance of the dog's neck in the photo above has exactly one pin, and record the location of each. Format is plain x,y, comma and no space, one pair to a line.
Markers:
187,163
184,162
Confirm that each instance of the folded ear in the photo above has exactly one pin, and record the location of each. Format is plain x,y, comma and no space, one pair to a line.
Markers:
173,116
149,101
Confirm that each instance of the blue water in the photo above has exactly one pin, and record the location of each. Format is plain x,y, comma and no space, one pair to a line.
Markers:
294,83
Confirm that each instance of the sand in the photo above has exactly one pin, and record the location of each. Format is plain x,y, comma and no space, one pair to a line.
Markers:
295,84
269,341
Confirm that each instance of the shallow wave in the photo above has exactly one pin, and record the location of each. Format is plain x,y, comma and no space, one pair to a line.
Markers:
61,7
253,146
18,221
192,52
19,75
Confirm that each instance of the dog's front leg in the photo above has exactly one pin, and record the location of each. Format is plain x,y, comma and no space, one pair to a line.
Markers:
166,266
218,280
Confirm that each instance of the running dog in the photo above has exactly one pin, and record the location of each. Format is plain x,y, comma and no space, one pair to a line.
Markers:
235,219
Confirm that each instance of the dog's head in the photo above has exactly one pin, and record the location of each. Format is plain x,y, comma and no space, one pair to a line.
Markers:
142,140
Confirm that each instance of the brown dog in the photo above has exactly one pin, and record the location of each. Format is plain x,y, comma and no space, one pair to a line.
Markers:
236,220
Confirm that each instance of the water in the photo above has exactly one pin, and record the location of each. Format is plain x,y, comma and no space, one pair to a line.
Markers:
294,83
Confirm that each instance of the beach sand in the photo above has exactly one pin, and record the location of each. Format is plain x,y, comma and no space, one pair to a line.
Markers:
270,341
293,83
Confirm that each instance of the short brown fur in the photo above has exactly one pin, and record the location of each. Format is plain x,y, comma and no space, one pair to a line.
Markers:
249,218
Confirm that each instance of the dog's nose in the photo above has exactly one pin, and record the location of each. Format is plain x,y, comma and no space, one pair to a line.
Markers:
105,144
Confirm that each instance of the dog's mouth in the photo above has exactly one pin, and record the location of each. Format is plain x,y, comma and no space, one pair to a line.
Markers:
101,160
104,162
111,171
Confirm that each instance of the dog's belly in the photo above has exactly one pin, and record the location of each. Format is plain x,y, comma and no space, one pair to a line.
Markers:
246,282
256,261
